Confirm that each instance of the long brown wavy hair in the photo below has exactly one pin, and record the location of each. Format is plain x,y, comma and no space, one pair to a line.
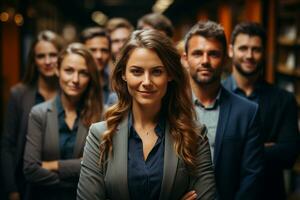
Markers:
92,98
177,101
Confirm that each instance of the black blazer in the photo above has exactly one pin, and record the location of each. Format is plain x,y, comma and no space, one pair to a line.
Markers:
238,154
22,98
278,113
100,181
43,145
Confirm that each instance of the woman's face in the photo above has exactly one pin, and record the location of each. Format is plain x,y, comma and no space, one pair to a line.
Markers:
46,58
73,76
146,77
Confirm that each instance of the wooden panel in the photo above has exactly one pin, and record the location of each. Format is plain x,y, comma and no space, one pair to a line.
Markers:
10,57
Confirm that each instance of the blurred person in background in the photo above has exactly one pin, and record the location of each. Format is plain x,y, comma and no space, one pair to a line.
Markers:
119,30
39,84
57,128
97,40
157,22
278,108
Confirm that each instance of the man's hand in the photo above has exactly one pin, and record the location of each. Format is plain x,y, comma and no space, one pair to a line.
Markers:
269,144
191,195
50,165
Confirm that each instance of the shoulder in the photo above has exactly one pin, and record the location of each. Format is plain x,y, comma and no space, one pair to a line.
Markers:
276,93
238,102
97,129
42,107
20,89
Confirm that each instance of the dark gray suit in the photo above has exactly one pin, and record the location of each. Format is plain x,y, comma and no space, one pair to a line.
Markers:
109,180
22,98
43,145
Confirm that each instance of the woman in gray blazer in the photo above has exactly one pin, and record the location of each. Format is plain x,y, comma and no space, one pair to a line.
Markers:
57,128
149,146
39,84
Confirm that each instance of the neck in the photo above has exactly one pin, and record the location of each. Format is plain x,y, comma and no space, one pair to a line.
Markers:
145,117
68,103
206,93
246,83
47,87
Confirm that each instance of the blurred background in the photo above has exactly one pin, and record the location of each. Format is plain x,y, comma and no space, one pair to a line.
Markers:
20,20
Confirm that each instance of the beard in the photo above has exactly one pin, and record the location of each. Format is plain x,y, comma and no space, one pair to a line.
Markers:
245,73
205,80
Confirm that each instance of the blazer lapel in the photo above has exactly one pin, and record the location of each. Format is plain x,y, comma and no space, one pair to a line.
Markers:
170,166
52,134
225,107
117,165
80,140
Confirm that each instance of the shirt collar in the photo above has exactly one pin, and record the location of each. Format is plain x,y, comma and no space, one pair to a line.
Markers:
210,107
159,128
60,108
236,89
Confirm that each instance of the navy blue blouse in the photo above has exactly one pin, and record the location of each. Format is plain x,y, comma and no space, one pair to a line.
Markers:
67,136
145,176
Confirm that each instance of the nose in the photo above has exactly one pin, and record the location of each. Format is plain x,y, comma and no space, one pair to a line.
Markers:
47,59
249,53
147,79
205,59
75,77
98,54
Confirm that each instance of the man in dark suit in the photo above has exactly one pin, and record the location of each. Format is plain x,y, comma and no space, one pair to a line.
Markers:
232,122
278,108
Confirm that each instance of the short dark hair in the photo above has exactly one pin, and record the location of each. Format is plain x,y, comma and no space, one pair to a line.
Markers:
158,22
248,28
118,22
207,29
92,32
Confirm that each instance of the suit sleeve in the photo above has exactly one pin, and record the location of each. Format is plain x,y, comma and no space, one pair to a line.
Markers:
33,170
91,184
204,181
9,142
252,162
286,149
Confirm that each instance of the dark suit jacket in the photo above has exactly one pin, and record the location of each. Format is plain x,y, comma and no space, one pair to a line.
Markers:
109,181
278,113
238,154
21,100
43,145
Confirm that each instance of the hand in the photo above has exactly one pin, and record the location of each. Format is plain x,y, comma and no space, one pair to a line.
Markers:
50,165
269,144
14,196
191,195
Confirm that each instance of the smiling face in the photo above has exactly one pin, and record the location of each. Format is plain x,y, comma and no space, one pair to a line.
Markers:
146,77
247,54
46,58
73,76
205,59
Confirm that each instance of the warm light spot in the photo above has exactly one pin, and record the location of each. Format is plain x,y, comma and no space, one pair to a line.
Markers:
19,19
4,17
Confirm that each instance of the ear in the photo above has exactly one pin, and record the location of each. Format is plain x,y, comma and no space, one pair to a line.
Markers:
230,51
184,61
124,78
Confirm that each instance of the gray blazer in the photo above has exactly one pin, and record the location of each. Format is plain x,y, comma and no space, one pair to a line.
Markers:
109,180
43,145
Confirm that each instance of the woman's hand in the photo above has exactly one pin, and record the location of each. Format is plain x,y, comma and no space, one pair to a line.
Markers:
191,195
50,165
